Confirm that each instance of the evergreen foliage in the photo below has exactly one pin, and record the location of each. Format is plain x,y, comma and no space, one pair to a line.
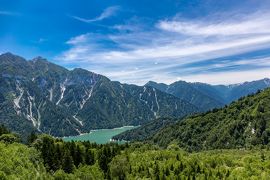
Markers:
215,164
242,124
50,158
145,131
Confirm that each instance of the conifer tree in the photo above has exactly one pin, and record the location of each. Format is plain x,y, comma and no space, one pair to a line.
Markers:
68,165
89,157
31,138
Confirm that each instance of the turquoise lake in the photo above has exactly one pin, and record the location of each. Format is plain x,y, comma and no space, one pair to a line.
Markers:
101,136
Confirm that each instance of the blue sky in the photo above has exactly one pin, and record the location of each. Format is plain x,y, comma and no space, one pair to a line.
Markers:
212,41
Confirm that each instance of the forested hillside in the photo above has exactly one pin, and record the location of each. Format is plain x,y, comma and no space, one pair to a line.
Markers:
47,158
145,131
242,124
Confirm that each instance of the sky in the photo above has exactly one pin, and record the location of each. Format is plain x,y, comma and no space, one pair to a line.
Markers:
131,41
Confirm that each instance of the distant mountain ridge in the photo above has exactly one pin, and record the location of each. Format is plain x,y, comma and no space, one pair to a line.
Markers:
37,95
206,96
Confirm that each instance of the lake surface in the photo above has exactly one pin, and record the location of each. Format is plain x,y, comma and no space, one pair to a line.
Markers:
101,136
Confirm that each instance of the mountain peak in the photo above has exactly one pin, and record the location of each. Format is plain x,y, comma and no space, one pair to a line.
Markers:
39,59
83,71
9,55
150,82
180,82
9,58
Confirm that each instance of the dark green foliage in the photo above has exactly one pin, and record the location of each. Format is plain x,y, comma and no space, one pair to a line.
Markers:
9,138
145,131
17,161
68,164
3,130
69,156
31,138
89,157
217,164
135,161
242,124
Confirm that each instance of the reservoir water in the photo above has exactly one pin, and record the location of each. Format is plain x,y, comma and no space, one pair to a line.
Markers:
100,136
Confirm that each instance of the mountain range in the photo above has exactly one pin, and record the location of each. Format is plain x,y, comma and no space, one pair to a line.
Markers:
206,96
37,95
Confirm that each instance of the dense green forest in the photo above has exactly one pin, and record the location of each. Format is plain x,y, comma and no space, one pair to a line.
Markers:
45,157
145,131
173,163
242,124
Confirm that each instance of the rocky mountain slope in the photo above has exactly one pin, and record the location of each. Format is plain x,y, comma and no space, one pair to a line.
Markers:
37,95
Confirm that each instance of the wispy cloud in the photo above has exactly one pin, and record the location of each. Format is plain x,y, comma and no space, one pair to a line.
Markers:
78,39
9,13
108,12
257,23
166,50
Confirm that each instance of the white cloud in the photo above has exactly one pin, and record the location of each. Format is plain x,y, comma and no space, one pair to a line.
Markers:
142,55
229,77
108,12
177,51
78,39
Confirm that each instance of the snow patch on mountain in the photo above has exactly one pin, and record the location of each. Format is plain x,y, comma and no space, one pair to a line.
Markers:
62,89
88,95
81,123
17,99
51,94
